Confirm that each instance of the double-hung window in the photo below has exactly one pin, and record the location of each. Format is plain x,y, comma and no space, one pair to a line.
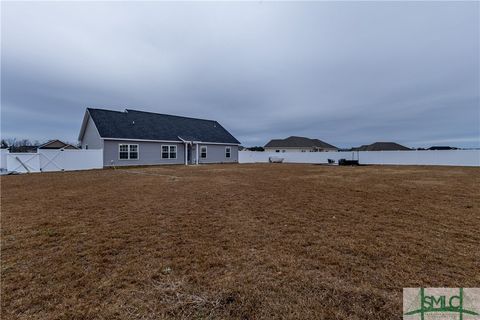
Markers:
128,151
203,152
133,151
164,152
169,152
228,152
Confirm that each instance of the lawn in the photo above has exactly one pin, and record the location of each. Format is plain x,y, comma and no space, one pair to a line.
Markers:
260,241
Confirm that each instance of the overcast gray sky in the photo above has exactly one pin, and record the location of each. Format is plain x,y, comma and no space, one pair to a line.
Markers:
346,73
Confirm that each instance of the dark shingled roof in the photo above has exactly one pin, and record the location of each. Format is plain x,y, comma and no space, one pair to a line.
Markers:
133,124
382,146
298,142
56,144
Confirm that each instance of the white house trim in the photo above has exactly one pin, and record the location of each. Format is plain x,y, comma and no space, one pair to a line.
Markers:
221,143
173,141
142,140
186,149
86,118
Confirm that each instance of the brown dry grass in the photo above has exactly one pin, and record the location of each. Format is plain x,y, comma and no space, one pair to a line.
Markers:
235,241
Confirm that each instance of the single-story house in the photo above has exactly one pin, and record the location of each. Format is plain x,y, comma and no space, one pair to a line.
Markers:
51,144
382,146
56,144
133,137
298,144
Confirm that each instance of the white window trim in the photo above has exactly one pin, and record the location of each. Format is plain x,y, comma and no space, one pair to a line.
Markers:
206,152
168,146
229,152
128,151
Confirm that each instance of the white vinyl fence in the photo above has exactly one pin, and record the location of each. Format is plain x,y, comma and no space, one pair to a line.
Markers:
53,160
423,157
3,158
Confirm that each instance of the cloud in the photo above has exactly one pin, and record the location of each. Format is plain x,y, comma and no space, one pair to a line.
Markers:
347,73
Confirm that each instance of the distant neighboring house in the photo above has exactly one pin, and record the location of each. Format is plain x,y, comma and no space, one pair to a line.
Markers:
56,144
298,144
381,146
442,148
134,137
52,144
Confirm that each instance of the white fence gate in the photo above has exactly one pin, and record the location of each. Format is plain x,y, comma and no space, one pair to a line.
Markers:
421,157
54,160
23,162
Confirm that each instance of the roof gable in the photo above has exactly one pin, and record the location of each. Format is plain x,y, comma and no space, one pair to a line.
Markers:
56,144
141,125
382,146
298,142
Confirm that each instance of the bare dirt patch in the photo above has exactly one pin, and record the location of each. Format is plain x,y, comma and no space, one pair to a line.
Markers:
273,241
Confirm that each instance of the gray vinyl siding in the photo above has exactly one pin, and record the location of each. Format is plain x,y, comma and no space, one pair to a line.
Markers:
149,153
91,137
216,154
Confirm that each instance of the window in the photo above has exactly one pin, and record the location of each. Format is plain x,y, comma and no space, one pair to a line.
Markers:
228,152
123,152
133,151
128,151
164,152
203,152
169,152
277,150
173,152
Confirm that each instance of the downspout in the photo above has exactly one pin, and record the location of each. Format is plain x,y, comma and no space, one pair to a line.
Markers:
186,150
196,155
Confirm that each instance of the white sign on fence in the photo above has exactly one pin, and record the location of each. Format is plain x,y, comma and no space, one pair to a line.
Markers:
54,160
421,157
